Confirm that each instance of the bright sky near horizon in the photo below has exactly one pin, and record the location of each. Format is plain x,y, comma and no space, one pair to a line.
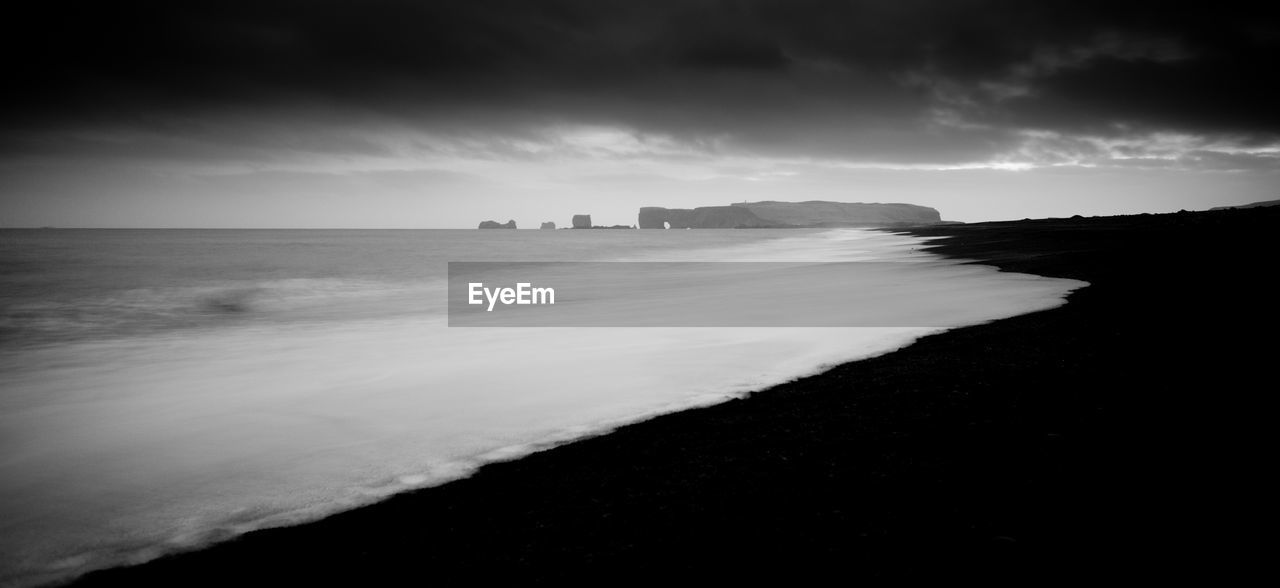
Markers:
410,114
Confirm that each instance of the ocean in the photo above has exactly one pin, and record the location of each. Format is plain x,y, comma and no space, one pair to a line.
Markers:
161,390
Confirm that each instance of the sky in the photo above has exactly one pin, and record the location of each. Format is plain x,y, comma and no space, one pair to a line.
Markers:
413,114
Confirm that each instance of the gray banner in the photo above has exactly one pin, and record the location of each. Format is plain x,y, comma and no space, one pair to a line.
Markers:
733,294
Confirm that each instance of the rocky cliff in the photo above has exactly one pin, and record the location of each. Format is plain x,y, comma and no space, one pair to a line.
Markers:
771,214
1263,204
496,225
820,213
705,217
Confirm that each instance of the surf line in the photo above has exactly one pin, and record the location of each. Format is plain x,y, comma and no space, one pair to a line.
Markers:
523,293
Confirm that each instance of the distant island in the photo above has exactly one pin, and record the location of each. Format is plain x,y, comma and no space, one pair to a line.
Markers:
1262,204
496,225
767,214
785,215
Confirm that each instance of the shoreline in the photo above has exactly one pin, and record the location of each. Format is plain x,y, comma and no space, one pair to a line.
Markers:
932,461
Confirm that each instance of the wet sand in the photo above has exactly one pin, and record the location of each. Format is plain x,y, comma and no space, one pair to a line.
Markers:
1119,436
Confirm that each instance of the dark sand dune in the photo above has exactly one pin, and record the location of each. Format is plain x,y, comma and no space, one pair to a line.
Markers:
1119,436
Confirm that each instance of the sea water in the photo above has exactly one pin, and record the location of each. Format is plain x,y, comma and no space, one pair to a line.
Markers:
164,389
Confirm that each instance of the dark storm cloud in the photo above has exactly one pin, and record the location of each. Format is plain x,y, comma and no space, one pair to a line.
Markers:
892,80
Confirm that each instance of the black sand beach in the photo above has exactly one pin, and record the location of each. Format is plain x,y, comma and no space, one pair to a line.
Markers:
1120,436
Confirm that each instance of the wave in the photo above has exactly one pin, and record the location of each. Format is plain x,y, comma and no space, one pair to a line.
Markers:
142,311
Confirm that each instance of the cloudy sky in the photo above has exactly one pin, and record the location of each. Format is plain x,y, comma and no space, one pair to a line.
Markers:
399,113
